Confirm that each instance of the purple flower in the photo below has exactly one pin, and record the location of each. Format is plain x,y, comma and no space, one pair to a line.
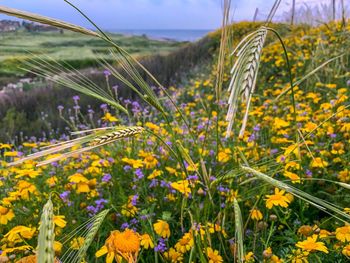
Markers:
103,107
124,226
134,221
134,200
192,177
65,196
252,137
256,128
308,173
161,246
107,73
127,168
139,173
273,151
333,135
92,210
165,184
101,202
153,183
106,178
76,98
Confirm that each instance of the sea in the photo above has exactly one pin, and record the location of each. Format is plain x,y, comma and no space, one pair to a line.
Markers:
173,34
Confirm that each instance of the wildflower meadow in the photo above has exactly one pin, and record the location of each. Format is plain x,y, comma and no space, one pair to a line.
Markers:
246,159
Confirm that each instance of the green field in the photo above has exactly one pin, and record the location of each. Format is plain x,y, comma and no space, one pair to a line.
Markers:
79,50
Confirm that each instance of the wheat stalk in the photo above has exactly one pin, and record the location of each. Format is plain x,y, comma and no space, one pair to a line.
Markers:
116,135
97,222
46,20
46,252
238,231
99,137
244,73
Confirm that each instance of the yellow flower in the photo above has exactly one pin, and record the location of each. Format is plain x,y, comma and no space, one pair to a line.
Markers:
224,155
173,256
57,246
13,249
278,199
213,256
280,123
77,243
150,161
318,163
11,154
249,257
5,146
27,172
30,145
346,251
155,174
185,243
305,230
170,170
18,233
81,181
267,253
310,126
129,209
124,244
343,233
59,221
292,176
134,163
324,233
182,186
275,259
109,118
6,215
25,189
32,259
311,245
256,214
300,256
52,181
338,148
293,148
162,228
146,241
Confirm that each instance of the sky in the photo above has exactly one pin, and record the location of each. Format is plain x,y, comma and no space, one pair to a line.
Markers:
148,14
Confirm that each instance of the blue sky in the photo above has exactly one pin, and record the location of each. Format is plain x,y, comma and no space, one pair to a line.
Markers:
144,14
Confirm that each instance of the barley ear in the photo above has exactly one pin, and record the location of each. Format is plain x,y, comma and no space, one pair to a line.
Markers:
46,20
238,231
116,135
46,252
98,219
244,74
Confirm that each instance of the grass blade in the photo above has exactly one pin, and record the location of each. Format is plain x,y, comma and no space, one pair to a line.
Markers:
315,201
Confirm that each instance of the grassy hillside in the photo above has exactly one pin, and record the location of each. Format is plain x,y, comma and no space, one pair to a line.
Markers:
76,49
